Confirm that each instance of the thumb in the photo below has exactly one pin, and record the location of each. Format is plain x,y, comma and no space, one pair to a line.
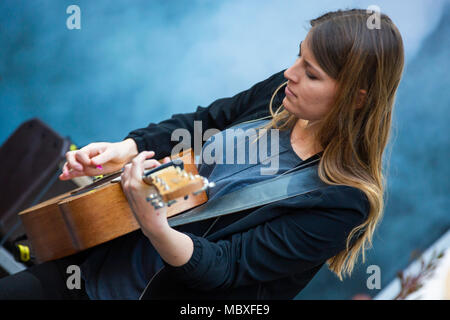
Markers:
166,159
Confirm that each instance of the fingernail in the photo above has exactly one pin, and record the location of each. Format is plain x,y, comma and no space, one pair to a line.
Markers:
100,167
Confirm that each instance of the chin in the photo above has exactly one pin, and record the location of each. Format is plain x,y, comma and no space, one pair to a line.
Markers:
288,106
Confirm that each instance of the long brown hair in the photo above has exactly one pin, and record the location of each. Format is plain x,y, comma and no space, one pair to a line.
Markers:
354,139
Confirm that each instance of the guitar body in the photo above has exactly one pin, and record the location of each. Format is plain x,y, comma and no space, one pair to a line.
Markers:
86,217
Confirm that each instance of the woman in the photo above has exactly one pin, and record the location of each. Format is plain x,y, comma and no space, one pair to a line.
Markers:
336,106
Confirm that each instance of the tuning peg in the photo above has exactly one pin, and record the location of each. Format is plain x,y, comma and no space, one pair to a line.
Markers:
171,202
155,200
157,204
151,197
211,185
206,185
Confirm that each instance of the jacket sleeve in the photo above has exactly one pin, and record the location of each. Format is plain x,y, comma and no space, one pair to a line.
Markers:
220,114
292,243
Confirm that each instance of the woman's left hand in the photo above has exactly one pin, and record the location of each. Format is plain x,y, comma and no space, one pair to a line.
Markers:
152,221
174,247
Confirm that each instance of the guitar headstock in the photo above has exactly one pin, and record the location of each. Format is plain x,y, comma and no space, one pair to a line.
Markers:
172,182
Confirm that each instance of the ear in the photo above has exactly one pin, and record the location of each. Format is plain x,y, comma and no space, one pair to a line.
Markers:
361,98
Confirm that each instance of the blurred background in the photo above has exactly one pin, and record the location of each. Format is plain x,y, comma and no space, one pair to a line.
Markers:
136,62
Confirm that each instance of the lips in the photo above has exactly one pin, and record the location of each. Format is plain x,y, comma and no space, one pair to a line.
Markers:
289,92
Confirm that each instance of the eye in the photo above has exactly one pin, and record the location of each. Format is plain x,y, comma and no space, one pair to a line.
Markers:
310,76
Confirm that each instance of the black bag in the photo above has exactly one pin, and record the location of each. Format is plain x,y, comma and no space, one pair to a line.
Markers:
30,161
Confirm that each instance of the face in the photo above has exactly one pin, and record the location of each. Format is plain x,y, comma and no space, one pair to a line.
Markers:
309,91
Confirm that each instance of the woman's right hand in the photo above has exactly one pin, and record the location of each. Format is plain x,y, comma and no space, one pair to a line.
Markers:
98,158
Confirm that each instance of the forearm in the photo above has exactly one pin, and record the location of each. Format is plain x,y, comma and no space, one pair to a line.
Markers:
174,247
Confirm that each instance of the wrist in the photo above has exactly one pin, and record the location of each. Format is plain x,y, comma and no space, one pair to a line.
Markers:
130,149
158,231
174,247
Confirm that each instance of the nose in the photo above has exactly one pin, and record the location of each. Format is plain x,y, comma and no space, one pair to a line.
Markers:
291,73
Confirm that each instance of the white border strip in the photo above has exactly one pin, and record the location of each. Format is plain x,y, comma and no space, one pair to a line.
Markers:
442,244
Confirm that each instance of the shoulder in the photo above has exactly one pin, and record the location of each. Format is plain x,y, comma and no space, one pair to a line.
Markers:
278,76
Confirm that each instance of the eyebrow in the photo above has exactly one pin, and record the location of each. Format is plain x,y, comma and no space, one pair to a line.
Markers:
306,61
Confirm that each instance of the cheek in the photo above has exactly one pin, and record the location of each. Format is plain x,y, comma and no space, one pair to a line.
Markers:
313,100
315,92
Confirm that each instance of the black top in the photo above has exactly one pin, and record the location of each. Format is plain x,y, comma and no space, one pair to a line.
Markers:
267,253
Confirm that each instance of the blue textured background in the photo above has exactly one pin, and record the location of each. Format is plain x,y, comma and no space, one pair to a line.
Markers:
135,62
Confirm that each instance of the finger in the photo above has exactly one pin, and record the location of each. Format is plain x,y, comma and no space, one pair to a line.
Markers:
166,159
75,174
94,149
72,162
137,164
65,171
102,158
65,168
85,154
82,157
67,175
152,163
141,157
145,155
124,177
63,177
126,169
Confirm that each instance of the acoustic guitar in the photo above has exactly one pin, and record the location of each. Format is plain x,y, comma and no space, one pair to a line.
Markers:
99,212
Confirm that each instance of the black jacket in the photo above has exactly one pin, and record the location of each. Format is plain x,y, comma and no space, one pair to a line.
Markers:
275,250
